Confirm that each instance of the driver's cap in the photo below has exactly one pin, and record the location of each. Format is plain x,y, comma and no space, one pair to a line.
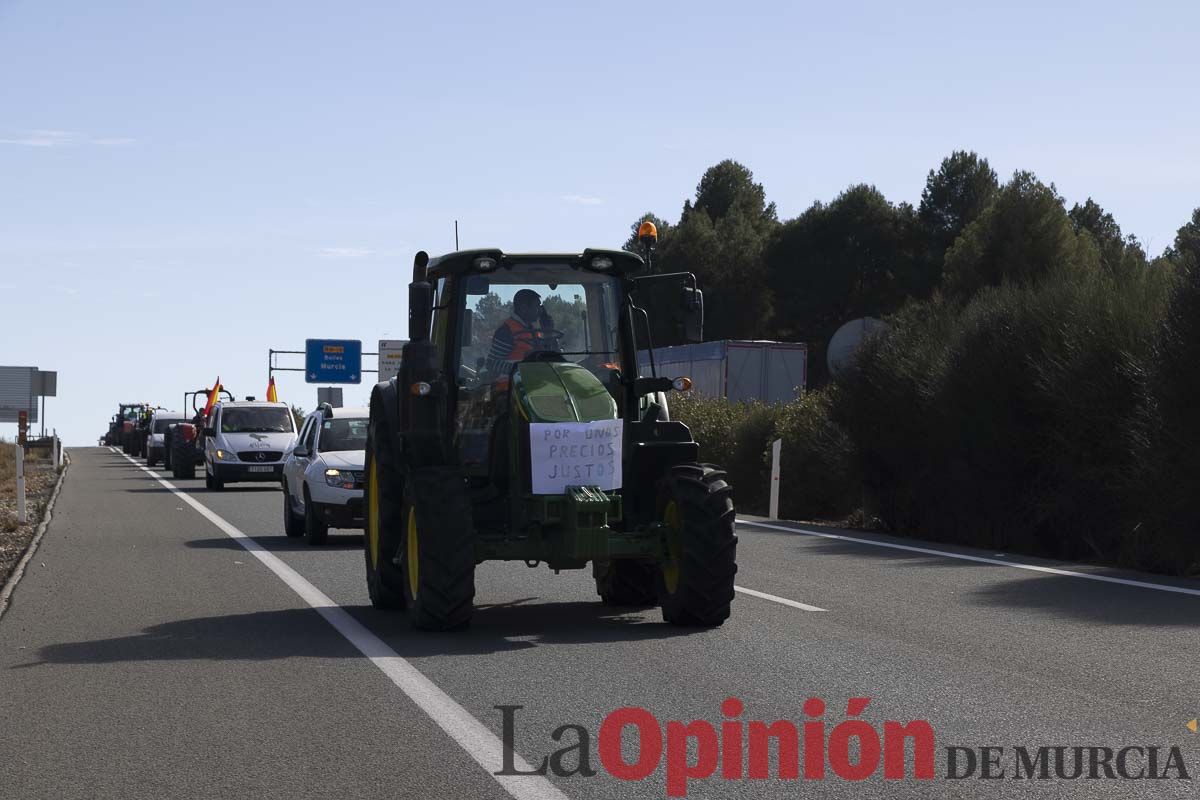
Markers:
526,296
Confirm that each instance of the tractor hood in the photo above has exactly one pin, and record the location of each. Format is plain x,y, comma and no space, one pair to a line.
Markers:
560,391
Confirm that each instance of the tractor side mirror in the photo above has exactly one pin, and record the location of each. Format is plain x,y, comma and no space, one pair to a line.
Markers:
693,319
420,311
674,306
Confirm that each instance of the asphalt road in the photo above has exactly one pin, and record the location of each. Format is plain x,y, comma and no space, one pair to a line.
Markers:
149,654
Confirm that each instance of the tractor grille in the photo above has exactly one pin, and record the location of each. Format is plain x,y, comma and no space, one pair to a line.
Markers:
260,456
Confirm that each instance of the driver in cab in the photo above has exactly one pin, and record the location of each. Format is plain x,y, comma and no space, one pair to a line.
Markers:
521,334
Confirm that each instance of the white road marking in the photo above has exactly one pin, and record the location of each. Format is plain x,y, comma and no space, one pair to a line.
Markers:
1160,587
776,599
471,734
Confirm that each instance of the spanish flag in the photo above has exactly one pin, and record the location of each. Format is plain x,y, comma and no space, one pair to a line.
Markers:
212,396
272,397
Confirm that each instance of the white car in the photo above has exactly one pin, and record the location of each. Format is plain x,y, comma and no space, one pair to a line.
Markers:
323,475
159,421
247,441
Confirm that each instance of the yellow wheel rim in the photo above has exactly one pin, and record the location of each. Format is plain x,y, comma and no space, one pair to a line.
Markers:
373,514
414,567
670,568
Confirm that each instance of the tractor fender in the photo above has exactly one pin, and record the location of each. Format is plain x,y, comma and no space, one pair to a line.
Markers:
385,403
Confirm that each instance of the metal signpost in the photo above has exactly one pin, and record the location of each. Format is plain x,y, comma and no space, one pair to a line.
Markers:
45,384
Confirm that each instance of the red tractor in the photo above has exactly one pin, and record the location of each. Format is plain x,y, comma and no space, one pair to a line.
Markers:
183,443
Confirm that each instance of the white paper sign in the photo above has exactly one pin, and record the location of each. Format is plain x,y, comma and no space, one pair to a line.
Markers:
575,454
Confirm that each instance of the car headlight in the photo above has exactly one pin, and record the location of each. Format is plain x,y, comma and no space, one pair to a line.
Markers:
342,479
225,455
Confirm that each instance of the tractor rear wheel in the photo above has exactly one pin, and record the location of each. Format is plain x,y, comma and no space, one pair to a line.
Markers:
439,549
695,580
625,582
383,533
183,459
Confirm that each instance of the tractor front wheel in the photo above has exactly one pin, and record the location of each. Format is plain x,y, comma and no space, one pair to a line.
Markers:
695,579
439,549
384,530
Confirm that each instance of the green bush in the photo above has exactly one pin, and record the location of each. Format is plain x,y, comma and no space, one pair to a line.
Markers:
817,476
1005,423
1167,440
1057,418
736,436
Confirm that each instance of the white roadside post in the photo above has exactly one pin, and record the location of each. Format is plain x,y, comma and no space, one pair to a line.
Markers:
57,451
776,447
21,517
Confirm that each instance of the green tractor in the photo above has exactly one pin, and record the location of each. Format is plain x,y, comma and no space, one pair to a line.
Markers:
521,428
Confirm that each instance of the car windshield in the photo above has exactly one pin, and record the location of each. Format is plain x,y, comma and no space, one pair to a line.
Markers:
538,307
343,434
256,420
160,425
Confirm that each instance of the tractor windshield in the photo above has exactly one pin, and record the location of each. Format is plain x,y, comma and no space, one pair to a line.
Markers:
538,307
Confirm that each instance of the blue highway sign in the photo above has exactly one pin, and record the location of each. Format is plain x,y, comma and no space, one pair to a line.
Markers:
332,361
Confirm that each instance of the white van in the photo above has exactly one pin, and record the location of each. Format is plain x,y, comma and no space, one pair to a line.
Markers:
247,441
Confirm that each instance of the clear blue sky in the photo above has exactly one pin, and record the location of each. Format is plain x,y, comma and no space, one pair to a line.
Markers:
186,184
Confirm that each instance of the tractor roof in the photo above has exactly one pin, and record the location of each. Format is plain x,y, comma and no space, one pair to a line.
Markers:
610,262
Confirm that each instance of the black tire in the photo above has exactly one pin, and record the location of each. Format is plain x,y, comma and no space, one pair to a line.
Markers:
183,459
383,507
439,585
695,583
150,459
316,532
168,443
626,582
293,523
211,481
